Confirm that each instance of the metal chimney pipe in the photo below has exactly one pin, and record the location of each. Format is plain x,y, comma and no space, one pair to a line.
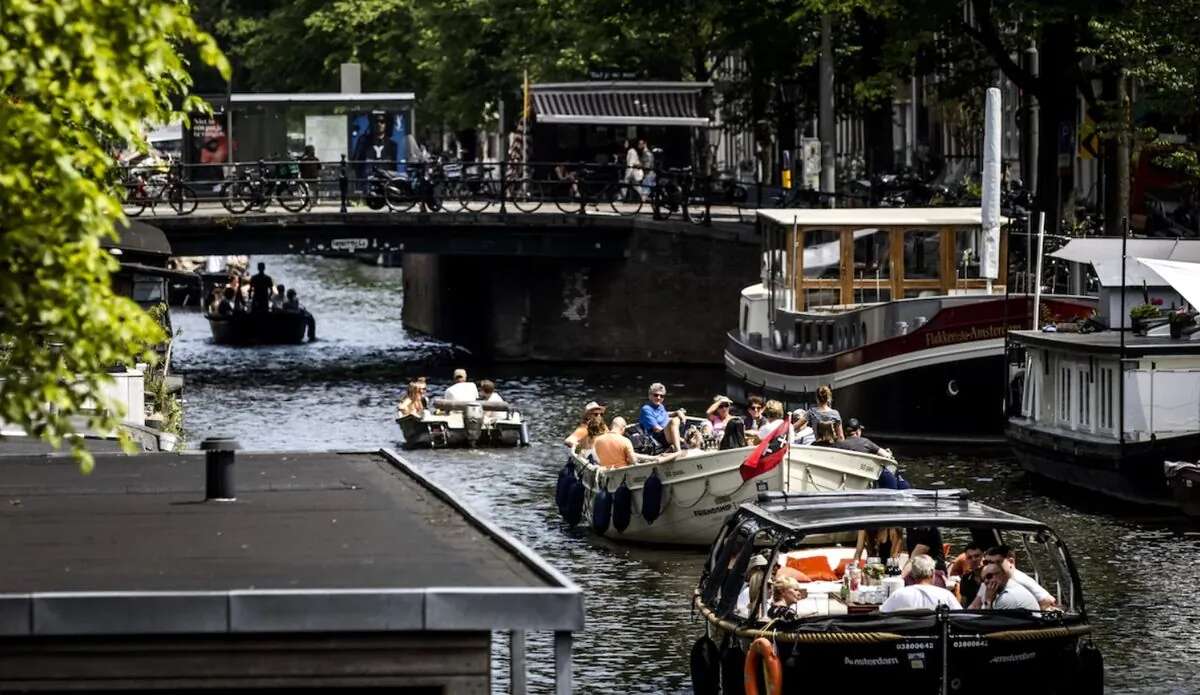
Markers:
218,468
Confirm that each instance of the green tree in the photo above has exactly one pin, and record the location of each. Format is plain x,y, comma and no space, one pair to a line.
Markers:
77,78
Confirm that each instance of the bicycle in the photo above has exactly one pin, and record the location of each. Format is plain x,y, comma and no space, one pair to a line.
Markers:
147,189
255,190
522,190
477,191
675,190
573,191
419,187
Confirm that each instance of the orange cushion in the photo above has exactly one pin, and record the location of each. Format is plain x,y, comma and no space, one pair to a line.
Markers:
793,573
816,567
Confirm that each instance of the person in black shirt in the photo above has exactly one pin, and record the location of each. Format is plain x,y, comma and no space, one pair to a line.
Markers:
854,440
260,289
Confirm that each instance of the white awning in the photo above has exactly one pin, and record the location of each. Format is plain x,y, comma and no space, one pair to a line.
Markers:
619,103
320,98
1108,272
1183,277
1109,249
876,217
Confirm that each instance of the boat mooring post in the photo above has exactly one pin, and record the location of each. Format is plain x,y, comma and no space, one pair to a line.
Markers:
1037,272
219,458
562,663
516,662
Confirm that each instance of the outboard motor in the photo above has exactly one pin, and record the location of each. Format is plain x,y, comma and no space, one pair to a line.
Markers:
523,436
622,511
652,493
473,422
562,492
602,506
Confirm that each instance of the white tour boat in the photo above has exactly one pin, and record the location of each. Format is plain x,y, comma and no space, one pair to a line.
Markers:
453,423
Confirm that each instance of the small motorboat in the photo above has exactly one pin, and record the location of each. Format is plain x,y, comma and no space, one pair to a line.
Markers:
837,634
684,500
1184,480
464,424
260,328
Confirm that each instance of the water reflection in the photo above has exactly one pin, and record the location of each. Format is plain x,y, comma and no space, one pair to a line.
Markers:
340,393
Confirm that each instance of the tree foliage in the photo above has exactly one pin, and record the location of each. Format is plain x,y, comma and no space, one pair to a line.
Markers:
77,77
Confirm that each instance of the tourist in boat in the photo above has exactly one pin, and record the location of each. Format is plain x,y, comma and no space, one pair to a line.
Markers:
612,448
413,402
854,440
292,304
719,415
753,419
786,593
658,424
756,574
278,298
488,393
824,411
580,433
773,413
921,594
802,433
461,389
1001,592
826,434
260,290
967,567
228,304
1002,556
879,542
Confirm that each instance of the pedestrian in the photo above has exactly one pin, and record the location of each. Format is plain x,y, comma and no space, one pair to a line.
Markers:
633,171
647,163
310,172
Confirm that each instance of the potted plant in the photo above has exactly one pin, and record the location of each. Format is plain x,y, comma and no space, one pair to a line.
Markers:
1179,320
1141,315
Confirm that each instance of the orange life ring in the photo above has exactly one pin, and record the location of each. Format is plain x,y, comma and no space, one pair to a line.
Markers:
762,653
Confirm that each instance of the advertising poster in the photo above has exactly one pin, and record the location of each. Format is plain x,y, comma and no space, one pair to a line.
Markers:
208,146
378,139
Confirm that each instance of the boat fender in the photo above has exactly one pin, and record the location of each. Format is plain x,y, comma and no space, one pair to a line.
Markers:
622,507
602,506
706,667
901,483
733,666
761,658
574,511
652,493
565,477
887,480
1091,668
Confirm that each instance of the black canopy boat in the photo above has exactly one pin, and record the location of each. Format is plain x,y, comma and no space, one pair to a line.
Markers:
261,328
840,641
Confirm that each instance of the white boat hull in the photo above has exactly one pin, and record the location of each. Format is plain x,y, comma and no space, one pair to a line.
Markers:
700,490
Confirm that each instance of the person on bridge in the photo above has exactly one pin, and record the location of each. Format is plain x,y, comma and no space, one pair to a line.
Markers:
260,290
461,389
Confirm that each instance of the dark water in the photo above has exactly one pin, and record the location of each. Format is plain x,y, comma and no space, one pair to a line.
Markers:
1140,575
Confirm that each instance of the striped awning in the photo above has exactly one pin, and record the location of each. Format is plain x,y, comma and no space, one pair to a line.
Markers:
619,103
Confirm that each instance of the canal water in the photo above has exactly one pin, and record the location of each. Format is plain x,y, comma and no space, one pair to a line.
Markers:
1140,575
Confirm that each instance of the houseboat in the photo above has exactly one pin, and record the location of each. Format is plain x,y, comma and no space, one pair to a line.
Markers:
890,307
830,639
1104,411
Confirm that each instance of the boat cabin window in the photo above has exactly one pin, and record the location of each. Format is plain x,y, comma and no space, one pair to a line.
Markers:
922,254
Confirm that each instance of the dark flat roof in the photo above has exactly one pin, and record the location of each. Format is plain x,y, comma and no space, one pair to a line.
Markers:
850,510
315,541
1109,342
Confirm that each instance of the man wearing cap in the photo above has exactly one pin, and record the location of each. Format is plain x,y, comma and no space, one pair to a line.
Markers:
854,440
461,389
657,422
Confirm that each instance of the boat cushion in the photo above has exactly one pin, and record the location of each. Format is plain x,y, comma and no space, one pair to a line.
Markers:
815,567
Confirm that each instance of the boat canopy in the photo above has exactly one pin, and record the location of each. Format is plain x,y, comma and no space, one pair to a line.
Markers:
1183,277
1108,250
837,258
854,510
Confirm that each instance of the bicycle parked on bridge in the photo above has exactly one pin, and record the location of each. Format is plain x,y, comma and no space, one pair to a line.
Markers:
676,191
574,191
146,188
423,185
256,189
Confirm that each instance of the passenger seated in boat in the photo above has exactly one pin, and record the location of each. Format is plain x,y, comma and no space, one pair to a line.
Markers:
612,448
412,403
773,413
1002,592
879,542
591,410
487,392
278,298
1003,557
719,416
824,411
802,433
293,305
854,440
227,305
753,420
826,434
461,389
967,567
786,593
756,574
921,594
657,423
735,435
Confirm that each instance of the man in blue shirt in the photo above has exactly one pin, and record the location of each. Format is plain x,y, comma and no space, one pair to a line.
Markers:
657,422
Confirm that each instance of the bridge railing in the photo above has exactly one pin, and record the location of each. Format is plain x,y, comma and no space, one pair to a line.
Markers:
441,186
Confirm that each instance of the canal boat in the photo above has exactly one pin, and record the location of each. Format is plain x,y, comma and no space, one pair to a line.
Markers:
1103,411
451,424
693,493
829,640
1184,480
892,308
260,328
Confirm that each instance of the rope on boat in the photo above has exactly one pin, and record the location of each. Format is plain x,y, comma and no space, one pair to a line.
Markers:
703,494
1040,633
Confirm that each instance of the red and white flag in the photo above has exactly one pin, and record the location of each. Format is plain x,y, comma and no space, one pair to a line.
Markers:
769,453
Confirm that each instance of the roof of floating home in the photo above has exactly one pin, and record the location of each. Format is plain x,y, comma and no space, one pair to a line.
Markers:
1108,249
314,542
839,511
1109,343
619,103
876,217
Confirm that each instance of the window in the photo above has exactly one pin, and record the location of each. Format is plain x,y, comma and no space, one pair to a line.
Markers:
872,258
1064,395
967,248
822,254
821,297
922,254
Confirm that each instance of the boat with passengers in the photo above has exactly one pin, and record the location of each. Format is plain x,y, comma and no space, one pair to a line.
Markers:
829,639
682,498
454,423
893,308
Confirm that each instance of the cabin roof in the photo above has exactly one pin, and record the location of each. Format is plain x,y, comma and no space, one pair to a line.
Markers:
876,217
852,510
341,542
1108,342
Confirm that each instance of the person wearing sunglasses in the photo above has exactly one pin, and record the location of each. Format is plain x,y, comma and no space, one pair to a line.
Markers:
658,424
1003,594
754,418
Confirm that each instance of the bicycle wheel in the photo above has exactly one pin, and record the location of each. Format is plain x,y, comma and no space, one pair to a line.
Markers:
237,196
525,194
625,199
133,203
695,209
398,196
477,195
292,195
182,199
566,196
659,202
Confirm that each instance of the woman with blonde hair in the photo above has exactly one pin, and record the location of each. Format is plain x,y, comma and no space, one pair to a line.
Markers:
773,412
824,411
413,403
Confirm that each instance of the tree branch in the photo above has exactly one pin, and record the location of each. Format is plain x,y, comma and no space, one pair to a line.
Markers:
988,36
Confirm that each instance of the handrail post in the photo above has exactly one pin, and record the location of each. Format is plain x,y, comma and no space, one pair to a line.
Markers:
582,196
343,182
503,183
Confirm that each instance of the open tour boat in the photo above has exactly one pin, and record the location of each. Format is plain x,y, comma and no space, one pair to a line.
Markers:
464,424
